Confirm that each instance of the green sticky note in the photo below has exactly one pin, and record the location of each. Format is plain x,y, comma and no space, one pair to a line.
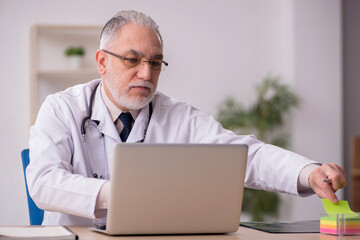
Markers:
342,207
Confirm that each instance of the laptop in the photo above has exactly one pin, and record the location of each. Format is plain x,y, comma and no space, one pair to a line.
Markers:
176,189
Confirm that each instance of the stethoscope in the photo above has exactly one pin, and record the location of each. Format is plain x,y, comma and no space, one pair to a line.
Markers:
95,124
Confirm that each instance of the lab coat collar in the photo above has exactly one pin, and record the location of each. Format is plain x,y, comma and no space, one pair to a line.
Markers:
102,115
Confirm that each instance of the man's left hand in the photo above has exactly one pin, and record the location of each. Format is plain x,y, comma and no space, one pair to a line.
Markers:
331,172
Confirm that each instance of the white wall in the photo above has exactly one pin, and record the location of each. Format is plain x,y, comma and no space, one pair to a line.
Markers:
317,125
215,48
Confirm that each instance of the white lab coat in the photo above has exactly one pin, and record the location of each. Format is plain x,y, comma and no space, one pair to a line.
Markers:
59,179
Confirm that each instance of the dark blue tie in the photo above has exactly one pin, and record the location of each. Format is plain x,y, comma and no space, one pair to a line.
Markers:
126,120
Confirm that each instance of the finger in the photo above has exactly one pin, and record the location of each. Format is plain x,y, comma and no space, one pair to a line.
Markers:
336,174
329,193
324,190
337,183
342,176
321,188
342,170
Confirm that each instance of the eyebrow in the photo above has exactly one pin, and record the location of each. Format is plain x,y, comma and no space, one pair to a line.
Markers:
137,53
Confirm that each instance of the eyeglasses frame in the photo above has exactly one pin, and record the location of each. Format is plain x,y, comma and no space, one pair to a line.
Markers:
125,58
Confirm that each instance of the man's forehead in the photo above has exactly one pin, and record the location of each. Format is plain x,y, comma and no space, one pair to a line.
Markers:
139,40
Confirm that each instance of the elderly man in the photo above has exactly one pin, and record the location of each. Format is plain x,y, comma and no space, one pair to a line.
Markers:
76,130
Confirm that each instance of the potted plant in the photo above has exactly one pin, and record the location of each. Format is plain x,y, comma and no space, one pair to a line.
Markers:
264,118
75,55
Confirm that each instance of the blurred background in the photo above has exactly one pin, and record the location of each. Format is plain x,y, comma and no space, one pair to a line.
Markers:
214,48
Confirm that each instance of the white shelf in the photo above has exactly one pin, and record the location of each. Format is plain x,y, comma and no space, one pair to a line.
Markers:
50,68
68,73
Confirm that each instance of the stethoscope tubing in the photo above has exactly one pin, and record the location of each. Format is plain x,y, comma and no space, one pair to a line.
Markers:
101,135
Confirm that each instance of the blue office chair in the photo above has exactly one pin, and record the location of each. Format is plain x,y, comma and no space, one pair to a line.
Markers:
36,214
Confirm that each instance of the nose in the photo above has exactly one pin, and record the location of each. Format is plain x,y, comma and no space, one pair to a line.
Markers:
144,71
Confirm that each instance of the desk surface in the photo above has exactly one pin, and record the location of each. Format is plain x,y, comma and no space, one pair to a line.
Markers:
242,234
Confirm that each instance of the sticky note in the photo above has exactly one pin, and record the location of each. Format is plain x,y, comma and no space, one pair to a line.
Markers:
341,220
342,207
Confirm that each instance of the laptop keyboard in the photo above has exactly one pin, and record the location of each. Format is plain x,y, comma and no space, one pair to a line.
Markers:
101,227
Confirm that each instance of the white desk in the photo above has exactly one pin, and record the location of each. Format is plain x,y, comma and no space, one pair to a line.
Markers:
242,234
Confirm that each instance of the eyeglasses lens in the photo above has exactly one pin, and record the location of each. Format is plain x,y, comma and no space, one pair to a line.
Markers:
155,65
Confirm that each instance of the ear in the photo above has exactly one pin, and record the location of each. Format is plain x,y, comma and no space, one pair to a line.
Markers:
101,61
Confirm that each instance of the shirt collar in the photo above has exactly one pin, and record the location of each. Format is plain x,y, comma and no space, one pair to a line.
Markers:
112,108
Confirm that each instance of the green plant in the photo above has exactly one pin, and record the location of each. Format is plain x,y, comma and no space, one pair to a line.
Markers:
74,51
264,118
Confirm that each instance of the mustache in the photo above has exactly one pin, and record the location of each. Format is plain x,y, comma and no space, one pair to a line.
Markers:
145,84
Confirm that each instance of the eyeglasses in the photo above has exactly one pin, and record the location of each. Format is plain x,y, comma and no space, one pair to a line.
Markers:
156,65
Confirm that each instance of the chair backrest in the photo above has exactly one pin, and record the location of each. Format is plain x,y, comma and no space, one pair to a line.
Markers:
36,214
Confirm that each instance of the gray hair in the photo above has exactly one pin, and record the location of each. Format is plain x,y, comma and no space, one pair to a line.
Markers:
113,26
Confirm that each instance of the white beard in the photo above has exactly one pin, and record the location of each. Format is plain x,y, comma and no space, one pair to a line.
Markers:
122,98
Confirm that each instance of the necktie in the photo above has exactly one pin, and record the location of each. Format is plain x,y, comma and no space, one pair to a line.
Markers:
126,120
